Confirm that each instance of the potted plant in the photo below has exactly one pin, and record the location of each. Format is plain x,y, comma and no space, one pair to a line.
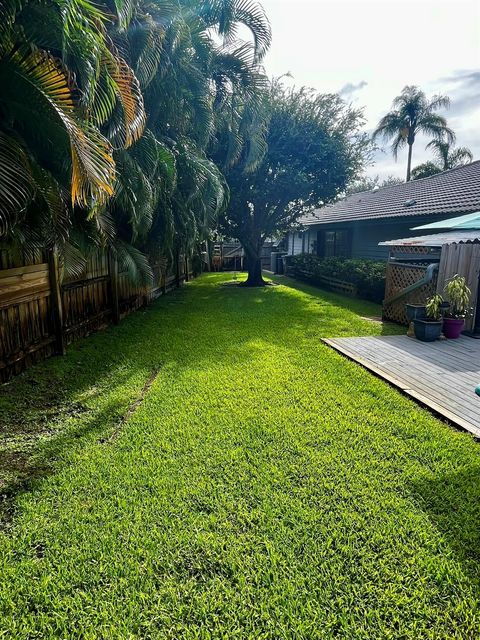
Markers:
414,311
429,328
458,295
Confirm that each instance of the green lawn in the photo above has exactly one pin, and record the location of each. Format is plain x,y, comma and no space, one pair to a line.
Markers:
265,487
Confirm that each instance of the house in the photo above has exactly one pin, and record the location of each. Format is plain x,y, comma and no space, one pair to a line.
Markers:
420,266
355,225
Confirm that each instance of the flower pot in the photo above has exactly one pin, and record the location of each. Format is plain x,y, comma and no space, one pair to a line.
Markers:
415,311
453,327
427,330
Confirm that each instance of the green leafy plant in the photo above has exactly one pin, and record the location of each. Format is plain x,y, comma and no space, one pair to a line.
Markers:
111,114
434,307
367,275
458,294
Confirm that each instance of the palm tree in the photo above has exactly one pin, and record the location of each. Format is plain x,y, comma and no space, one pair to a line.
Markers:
62,81
414,113
110,116
448,156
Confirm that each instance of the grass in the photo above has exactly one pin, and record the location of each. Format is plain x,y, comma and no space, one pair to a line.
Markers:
259,486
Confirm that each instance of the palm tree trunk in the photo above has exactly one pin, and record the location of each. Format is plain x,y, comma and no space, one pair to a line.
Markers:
409,161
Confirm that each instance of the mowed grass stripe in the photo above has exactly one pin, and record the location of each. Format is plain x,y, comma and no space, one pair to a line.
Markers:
265,487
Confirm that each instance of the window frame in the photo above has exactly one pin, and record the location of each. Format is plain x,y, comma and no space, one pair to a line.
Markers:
334,243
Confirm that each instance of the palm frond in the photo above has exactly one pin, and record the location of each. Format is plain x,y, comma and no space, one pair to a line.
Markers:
460,156
17,185
125,131
133,263
431,124
225,15
38,83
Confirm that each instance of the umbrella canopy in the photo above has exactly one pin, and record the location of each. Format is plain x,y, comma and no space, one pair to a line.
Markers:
469,221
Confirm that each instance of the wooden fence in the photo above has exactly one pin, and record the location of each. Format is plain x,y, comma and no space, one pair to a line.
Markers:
463,259
40,314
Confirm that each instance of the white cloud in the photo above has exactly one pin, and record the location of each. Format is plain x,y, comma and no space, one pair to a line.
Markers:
370,49
349,89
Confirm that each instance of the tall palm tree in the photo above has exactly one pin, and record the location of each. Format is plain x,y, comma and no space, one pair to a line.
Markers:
449,156
110,115
414,113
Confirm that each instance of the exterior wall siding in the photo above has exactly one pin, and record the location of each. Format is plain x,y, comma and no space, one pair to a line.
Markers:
365,235
297,243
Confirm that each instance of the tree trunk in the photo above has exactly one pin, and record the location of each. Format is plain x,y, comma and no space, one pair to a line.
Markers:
254,278
409,161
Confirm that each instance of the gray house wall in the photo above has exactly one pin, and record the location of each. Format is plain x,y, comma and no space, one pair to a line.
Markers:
365,235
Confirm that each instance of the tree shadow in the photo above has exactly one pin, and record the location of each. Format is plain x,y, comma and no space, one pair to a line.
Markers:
57,405
366,309
62,402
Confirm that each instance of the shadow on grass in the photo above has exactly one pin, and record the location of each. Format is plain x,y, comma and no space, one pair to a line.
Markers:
60,404
364,308
45,455
452,502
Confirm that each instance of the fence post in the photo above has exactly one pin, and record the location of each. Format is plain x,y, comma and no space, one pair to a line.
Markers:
56,296
113,273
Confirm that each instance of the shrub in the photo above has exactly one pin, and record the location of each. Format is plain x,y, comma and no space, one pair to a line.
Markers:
367,275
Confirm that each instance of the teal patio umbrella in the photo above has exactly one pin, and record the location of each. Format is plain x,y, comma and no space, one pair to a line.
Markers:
468,221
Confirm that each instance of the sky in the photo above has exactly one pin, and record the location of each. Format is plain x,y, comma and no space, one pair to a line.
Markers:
368,50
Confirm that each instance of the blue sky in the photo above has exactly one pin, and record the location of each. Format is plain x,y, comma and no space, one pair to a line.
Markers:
370,49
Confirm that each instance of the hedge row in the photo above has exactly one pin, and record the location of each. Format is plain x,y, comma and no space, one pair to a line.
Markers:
368,276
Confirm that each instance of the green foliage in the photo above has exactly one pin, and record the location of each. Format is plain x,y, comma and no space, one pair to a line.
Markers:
434,307
109,115
414,113
425,170
314,148
367,275
367,183
458,295
447,156
265,486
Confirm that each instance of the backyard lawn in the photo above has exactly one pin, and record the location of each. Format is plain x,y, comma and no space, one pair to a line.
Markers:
210,469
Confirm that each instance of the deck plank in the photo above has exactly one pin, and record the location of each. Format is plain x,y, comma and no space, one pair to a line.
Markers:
441,375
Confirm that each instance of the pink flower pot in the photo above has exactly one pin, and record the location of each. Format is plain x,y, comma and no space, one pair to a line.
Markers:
453,327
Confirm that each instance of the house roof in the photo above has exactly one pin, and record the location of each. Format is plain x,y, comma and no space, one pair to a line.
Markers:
436,239
452,192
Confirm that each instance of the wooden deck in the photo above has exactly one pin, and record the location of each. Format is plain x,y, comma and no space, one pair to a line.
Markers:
441,375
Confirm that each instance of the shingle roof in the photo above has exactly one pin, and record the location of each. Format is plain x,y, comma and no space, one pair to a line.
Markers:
451,192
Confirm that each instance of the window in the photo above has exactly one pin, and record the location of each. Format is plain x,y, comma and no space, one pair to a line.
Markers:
334,243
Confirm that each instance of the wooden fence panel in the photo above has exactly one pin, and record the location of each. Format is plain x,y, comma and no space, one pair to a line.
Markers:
26,321
40,312
86,302
465,260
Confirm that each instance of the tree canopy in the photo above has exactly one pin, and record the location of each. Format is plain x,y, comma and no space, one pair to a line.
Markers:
447,157
367,183
314,147
414,113
108,112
